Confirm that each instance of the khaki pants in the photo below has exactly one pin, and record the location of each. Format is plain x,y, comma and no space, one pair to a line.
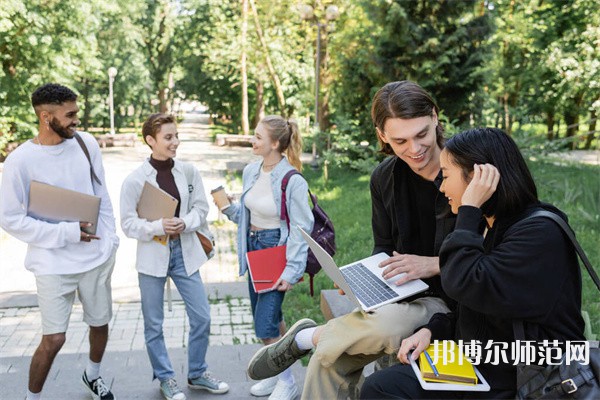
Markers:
348,343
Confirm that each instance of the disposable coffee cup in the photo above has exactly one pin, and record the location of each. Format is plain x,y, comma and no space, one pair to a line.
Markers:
220,197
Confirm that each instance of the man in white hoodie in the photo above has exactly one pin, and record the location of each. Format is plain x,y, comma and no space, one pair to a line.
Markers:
63,257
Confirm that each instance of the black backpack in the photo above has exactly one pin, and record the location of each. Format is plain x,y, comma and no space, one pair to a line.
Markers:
323,232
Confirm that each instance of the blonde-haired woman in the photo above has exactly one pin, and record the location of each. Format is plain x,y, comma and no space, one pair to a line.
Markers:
277,140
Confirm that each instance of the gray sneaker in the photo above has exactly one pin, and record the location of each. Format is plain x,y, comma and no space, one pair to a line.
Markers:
207,382
170,390
275,358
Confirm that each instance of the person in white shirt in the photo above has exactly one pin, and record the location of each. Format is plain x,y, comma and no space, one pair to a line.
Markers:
179,258
63,257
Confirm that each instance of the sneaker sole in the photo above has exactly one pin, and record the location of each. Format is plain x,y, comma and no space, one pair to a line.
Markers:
213,391
265,391
257,355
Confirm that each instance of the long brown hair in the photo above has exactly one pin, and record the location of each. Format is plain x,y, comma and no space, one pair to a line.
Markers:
287,133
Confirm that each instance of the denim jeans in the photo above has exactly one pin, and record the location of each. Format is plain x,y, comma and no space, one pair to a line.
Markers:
266,307
192,292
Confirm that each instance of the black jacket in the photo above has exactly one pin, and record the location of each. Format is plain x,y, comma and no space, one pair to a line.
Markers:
392,205
525,270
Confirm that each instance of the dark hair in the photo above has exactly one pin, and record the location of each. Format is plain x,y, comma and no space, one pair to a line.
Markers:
516,188
52,93
153,124
405,100
288,134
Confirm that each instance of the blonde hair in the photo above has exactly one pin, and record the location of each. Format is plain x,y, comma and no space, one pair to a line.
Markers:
287,133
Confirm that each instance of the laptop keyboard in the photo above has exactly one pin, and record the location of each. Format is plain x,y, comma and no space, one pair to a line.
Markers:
365,285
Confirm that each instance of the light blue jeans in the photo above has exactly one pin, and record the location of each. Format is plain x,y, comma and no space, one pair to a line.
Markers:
192,291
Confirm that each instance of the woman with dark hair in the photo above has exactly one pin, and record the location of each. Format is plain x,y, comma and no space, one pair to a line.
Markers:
178,257
498,265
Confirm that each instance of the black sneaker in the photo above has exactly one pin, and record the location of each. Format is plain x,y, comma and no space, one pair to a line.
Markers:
97,388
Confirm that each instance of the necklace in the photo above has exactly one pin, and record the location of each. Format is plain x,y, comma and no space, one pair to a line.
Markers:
270,165
39,141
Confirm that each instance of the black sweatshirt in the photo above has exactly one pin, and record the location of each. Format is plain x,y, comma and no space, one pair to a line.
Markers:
400,212
522,271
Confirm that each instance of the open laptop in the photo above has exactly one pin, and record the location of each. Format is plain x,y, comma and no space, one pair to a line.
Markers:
362,281
55,204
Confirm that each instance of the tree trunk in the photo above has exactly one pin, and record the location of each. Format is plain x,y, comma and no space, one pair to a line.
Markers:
259,112
572,119
550,125
272,72
507,126
87,108
162,98
591,130
245,123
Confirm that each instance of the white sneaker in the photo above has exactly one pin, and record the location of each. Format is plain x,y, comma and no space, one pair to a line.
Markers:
284,391
264,387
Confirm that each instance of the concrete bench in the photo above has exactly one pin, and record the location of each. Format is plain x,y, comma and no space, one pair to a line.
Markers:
118,139
223,139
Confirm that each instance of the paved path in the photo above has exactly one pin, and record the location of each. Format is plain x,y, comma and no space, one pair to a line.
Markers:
126,366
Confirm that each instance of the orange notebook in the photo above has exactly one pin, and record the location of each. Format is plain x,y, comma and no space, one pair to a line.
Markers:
266,267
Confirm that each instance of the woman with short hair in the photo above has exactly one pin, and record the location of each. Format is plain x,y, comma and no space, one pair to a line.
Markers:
179,257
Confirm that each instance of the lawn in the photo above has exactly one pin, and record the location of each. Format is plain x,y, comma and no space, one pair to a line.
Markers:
345,197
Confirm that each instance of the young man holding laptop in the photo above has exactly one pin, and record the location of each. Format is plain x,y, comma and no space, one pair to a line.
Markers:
410,219
63,257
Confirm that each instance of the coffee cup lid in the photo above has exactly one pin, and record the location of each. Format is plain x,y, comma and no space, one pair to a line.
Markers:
217,189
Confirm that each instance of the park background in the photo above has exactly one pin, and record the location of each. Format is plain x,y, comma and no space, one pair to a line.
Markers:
531,68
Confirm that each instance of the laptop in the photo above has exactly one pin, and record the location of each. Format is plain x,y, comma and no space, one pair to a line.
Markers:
362,281
55,204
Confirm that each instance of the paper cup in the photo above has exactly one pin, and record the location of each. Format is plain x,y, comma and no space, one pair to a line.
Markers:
220,197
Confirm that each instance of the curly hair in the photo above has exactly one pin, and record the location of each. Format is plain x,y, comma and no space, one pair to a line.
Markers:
52,93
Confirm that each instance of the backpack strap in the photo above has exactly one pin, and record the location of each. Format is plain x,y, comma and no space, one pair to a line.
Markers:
93,175
284,213
284,183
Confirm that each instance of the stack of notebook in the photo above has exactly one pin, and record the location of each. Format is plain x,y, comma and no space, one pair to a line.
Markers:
442,366
450,366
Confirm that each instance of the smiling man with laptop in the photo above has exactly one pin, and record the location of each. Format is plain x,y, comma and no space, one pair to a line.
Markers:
410,219
63,256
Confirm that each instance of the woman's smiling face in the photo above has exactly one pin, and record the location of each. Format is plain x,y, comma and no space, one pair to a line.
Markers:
453,184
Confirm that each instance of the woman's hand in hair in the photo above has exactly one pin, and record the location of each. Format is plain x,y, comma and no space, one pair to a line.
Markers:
418,342
412,266
482,186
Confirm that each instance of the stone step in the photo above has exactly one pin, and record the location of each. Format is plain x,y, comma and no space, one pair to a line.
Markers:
130,376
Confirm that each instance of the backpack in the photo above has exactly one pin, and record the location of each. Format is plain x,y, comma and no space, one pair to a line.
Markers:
322,232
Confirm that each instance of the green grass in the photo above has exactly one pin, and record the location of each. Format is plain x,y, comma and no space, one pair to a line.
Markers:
345,197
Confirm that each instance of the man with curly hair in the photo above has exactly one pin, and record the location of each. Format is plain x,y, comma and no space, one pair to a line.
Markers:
64,258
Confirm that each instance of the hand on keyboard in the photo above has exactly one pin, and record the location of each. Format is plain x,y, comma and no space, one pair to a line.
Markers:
414,267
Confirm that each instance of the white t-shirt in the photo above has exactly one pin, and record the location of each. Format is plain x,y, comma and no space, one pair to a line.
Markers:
260,202
55,248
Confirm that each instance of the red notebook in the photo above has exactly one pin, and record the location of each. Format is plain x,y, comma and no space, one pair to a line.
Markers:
266,267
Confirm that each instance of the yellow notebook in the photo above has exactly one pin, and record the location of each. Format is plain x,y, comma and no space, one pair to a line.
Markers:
452,366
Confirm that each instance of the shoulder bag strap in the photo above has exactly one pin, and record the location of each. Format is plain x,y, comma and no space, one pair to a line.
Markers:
518,324
93,175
